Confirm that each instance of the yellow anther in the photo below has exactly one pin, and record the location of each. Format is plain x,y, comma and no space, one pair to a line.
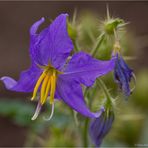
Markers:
53,86
47,81
43,88
47,90
38,84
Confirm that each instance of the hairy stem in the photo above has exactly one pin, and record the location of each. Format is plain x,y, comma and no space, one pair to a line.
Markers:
98,44
86,123
77,49
85,133
101,84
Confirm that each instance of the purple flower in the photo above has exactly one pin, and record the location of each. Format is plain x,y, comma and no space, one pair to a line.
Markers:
52,75
123,75
99,127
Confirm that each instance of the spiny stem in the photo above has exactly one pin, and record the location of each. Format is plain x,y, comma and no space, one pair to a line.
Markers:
91,35
103,86
74,16
108,15
85,133
116,35
100,39
86,123
75,118
86,94
77,49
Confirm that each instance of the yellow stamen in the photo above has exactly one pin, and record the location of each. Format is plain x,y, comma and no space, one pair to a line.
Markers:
38,84
47,90
53,87
43,88
47,81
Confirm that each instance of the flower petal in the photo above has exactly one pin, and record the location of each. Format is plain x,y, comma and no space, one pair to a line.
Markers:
123,75
26,82
71,93
52,45
85,69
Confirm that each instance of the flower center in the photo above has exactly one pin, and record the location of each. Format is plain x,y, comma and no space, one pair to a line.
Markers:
47,81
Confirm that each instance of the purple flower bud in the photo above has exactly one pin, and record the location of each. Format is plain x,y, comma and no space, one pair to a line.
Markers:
123,75
99,127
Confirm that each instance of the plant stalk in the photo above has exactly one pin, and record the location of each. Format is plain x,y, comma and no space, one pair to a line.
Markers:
77,49
101,84
85,133
99,42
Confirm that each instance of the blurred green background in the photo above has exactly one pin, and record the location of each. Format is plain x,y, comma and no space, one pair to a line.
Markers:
131,124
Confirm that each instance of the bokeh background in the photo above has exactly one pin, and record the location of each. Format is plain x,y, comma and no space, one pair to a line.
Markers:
16,128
